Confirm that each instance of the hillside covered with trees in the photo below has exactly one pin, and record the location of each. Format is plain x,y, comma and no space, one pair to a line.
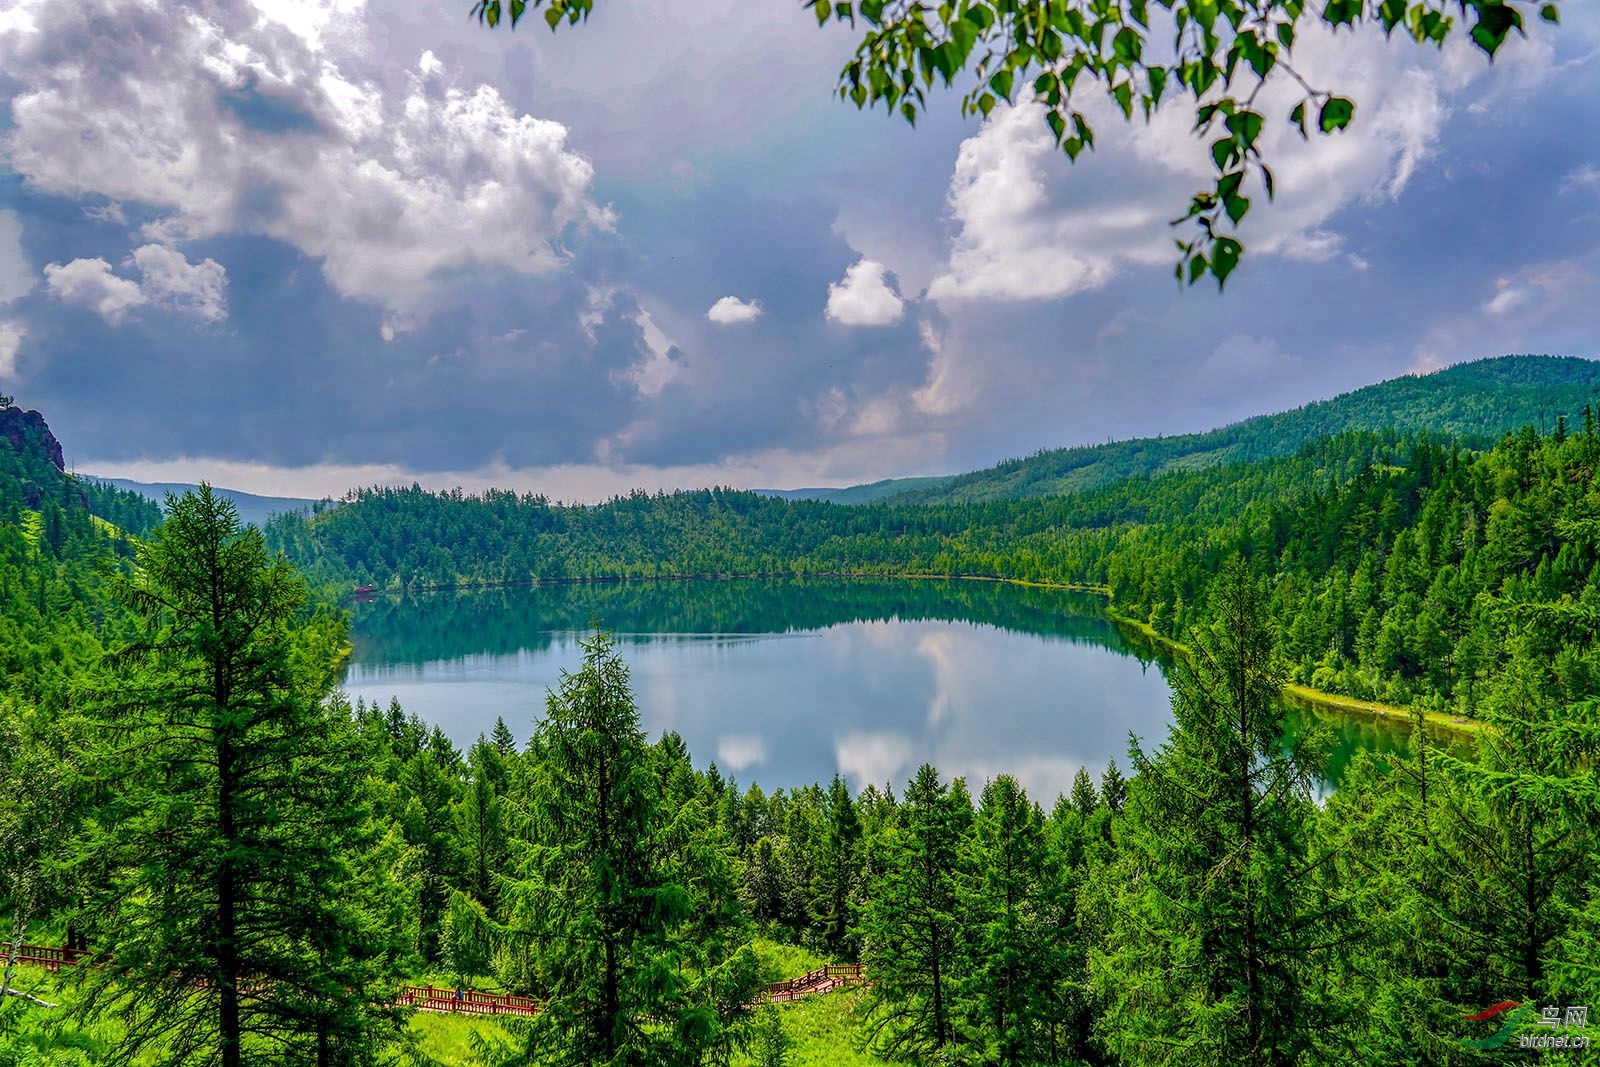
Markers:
253,866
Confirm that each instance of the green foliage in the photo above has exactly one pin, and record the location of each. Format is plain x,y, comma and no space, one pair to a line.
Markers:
1216,55
913,940
1214,924
609,892
219,871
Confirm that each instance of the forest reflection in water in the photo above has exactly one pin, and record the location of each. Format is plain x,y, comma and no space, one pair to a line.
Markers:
785,681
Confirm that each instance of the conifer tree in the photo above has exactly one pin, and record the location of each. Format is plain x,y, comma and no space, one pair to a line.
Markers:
838,868
1007,992
604,898
224,904
911,927
1212,928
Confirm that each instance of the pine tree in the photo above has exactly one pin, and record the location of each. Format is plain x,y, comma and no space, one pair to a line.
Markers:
911,927
1212,924
503,741
224,902
838,868
1007,993
481,827
604,896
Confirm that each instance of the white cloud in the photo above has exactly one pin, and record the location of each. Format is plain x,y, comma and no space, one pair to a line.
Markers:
16,276
167,280
738,752
1032,226
172,282
89,283
864,297
229,120
730,310
659,363
11,335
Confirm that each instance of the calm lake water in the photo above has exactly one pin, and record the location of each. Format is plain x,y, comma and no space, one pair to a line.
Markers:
785,682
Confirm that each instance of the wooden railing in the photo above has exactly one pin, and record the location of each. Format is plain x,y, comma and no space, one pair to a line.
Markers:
467,1002
51,959
824,979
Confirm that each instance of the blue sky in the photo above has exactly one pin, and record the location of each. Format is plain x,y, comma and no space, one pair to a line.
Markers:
297,246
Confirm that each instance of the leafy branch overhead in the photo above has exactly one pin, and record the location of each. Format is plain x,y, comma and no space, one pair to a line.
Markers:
1221,53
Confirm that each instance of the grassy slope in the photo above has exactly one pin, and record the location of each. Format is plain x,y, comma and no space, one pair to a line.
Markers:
825,1029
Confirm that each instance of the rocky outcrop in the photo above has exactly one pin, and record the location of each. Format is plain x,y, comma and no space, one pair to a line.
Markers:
27,433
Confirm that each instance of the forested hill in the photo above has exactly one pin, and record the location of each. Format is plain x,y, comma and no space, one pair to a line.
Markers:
1473,402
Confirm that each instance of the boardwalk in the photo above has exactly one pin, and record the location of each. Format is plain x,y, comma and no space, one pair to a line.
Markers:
824,979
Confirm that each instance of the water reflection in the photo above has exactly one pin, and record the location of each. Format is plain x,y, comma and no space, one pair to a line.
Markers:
784,682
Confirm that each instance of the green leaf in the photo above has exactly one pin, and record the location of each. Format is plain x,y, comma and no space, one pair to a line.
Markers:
1127,46
1342,12
1298,117
980,16
1158,82
1236,207
1245,127
1336,114
1122,92
1197,267
517,8
986,104
491,13
1550,13
1001,83
1495,21
1225,257
552,15
872,11
1286,34
1058,125
822,9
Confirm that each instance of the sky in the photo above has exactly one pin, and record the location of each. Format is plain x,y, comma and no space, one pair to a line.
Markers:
295,246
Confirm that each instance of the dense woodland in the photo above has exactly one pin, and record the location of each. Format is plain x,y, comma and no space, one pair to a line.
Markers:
256,865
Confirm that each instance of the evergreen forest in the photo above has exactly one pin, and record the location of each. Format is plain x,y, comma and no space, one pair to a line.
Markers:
243,867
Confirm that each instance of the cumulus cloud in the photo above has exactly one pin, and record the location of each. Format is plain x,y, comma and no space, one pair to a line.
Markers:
171,281
864,297
238,119
730,310
167,280
89,283
1031,227
11,335
659,359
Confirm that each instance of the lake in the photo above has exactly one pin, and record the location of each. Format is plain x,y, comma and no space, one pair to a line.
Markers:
784,682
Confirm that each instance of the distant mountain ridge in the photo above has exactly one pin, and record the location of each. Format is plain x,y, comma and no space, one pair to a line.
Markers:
1476,402
860,494
253,510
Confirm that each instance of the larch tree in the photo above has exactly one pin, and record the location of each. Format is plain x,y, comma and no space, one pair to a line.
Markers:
223,899
911,929
1213,920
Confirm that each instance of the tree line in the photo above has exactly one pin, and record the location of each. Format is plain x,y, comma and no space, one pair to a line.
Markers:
255,864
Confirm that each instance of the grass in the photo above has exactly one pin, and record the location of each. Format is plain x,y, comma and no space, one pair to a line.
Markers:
448,1039
825,1031
780,962
1322,701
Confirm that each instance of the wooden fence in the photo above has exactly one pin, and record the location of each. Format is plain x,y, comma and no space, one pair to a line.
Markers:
824,979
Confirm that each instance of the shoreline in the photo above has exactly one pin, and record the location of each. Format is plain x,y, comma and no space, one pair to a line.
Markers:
1294,693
